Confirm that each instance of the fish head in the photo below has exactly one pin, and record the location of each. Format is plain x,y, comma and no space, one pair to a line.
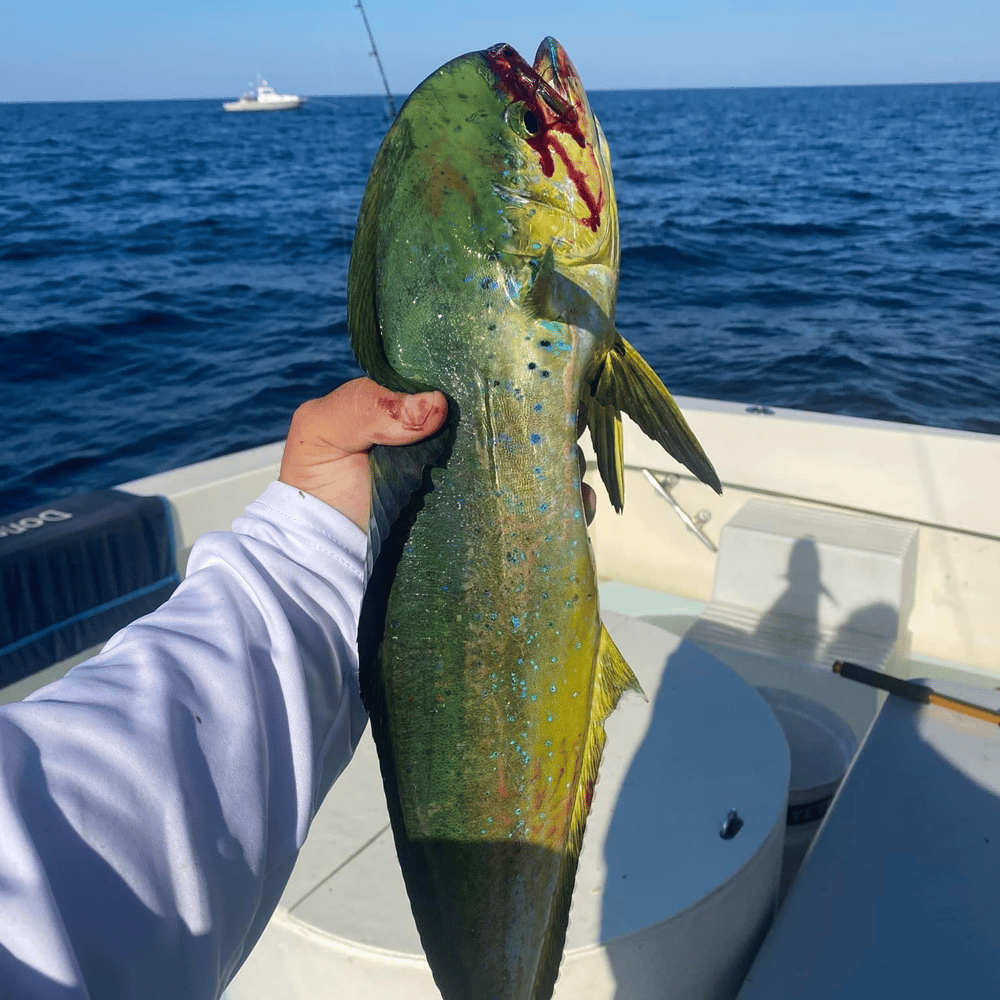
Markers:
562,195
492,169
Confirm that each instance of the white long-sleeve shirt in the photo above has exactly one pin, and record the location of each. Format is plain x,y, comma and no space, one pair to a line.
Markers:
153,801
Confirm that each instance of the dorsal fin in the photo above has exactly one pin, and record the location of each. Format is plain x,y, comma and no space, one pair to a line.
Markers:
362,276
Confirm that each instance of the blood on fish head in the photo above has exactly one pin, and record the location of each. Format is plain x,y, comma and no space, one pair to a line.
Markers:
566,189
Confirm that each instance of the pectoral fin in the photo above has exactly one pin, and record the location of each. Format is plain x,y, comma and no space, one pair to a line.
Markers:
540,297
625,382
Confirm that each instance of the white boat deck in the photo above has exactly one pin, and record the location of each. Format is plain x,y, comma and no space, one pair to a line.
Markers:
898,895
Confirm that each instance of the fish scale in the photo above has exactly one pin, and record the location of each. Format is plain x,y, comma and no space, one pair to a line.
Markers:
485,265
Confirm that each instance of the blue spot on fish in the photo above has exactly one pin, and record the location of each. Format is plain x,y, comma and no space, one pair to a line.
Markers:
536,438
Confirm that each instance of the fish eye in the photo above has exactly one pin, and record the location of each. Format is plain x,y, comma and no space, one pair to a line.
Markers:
522,120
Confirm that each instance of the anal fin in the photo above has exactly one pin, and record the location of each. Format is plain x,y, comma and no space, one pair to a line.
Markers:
613,678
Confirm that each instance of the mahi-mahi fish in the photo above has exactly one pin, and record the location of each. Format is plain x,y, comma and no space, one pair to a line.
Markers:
485,265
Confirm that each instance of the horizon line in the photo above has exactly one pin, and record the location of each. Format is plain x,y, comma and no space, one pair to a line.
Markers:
593,90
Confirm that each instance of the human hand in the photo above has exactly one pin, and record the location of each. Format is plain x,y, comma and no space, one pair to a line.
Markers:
326,451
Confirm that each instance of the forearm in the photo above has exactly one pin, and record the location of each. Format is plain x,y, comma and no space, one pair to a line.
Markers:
154,800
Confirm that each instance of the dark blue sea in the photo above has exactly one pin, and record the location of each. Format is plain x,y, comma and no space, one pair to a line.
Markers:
172,278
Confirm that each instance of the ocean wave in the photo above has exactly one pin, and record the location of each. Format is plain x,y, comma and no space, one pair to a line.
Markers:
667,255
46,248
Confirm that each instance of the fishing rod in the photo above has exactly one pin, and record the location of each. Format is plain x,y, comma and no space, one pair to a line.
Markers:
374,52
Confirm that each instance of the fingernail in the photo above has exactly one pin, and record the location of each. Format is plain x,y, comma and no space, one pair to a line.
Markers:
415,410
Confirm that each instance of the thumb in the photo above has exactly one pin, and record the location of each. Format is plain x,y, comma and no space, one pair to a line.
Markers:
403,419
361,413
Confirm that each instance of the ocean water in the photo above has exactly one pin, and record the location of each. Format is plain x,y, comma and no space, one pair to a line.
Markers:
173,279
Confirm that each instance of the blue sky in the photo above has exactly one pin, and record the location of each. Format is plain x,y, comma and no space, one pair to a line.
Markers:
110,49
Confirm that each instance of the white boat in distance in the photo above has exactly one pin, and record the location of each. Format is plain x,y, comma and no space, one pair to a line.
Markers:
263,97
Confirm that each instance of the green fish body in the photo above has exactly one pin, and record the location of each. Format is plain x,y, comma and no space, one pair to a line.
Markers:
485,265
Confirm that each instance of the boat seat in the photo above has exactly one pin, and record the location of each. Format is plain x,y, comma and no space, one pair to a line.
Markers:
76,571
798,587
897,896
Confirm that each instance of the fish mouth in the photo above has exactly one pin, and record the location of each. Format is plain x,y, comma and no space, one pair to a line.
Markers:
559,76
563,129
537,82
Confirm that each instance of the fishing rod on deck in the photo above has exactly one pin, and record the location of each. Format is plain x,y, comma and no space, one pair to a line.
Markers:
374,52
